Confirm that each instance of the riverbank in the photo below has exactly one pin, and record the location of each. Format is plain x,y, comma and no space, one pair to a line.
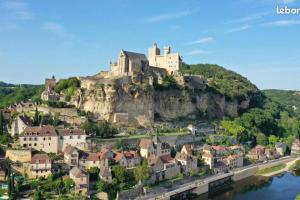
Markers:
275,170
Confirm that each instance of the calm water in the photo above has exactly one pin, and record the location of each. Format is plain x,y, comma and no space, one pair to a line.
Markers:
282,187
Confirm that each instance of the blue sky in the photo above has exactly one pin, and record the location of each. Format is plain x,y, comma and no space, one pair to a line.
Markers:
66,38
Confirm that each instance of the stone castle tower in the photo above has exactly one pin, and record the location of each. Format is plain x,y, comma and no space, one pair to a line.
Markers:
169,61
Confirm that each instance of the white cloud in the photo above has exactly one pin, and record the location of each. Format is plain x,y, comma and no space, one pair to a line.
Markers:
202,40
197,52
169,16
18,9
238,29
254,17
283,23
55,28
288,1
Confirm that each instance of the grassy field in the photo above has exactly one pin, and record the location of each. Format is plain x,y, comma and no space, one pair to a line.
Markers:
270,169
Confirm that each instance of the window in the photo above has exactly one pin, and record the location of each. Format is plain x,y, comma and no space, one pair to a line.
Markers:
78,136
44,138
34,144
71,137
25,139
49,138
49,144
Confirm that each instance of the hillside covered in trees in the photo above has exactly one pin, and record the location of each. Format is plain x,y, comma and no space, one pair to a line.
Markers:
10,93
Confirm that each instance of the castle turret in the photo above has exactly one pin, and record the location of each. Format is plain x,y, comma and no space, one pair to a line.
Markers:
167,50
152,53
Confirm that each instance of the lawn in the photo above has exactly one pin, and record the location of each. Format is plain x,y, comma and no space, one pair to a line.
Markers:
271,169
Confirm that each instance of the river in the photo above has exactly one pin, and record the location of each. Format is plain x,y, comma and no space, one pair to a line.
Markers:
282,187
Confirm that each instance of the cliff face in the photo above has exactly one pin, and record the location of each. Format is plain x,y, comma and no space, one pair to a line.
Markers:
144,104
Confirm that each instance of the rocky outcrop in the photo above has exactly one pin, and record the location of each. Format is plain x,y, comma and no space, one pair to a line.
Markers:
144,103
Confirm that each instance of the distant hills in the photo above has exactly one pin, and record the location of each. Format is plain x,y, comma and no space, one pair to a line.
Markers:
11,93
288,98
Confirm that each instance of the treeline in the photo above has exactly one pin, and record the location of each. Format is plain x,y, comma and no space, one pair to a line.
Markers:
223,81
264,125
10,95
101,129
68,86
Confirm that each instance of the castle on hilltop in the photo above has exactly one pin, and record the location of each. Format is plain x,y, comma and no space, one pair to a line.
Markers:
131,63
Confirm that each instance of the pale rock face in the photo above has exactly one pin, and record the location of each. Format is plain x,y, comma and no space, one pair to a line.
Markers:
141,104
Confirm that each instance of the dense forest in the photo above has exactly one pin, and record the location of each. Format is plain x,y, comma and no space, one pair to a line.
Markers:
10,93
270,117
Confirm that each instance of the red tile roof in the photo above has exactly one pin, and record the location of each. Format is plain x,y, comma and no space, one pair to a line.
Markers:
75,171
64,132
39,131
40,158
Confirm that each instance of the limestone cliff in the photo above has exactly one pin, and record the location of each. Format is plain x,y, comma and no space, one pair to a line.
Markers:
142,104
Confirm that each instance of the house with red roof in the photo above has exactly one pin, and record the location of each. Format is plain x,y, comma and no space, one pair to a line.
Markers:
39,166
127,159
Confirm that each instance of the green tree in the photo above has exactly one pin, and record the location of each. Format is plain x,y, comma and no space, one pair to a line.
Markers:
120,173
102,186
69,184
261,139
1,123
94,173
142,173
36,118
273,140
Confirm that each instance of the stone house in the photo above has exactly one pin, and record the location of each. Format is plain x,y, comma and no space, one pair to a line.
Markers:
234,161
163,167
281,148
208,159
43,138
81,180
127,159
71,156
257,153
186,149
187,162
295,149
51,140
99,159
40,166
19,124
154,146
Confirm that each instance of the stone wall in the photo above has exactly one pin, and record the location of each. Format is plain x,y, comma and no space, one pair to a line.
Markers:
18,155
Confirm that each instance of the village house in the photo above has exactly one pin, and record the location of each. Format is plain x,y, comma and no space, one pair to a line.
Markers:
51,140
19,124
81,180
257,153
71,156
221,159
186,149
98,159
295,149
163,167
281,148
127,159
40,166
188,162
271,153
154,146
